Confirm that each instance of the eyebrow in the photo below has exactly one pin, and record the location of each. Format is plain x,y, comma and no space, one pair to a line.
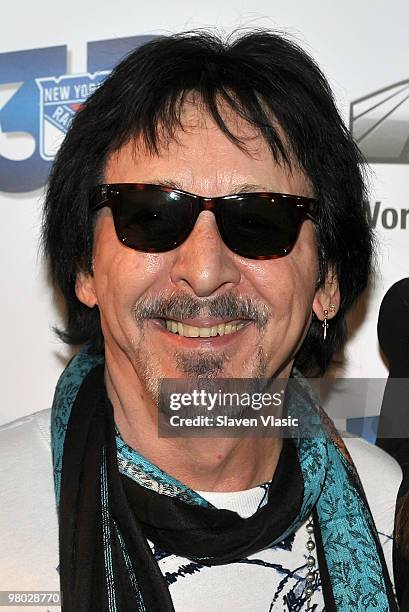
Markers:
241,188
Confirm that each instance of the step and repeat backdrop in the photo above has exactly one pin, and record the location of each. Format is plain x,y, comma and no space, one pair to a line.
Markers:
52,57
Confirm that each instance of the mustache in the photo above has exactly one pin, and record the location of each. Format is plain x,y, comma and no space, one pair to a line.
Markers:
181,305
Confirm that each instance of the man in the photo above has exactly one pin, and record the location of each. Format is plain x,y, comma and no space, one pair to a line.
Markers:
205,220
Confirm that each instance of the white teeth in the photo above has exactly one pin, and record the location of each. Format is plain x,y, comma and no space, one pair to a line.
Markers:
191,331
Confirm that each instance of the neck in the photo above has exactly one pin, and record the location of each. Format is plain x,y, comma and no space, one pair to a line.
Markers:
203,464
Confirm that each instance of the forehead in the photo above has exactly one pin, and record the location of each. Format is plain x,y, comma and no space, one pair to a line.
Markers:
200,158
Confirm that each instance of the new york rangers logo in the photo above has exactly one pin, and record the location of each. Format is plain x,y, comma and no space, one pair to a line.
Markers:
60,99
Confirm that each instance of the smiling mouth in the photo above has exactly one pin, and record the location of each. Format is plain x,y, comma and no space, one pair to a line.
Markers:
192,331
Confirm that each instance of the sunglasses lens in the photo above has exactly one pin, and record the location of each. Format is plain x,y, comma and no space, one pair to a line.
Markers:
154,219
258,227
151,220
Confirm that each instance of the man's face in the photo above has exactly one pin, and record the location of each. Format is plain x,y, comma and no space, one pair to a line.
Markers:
130,287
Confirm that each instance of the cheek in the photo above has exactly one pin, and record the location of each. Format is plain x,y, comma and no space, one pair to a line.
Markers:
121,275
287,284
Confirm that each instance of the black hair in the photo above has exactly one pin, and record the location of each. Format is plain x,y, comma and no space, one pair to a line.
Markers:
265,78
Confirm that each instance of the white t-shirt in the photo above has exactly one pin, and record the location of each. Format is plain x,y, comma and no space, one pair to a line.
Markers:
272,579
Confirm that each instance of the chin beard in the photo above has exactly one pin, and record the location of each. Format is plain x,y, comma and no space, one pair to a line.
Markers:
200,364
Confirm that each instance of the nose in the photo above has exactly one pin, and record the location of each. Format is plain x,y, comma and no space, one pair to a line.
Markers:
203,263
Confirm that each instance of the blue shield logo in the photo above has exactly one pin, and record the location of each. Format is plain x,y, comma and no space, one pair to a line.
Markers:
60,99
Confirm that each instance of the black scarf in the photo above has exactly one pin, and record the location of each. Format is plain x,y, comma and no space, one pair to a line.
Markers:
105,518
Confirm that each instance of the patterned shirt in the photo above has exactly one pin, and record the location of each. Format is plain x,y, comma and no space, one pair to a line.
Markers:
272,579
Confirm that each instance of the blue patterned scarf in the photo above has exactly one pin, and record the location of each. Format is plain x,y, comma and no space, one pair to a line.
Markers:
352,556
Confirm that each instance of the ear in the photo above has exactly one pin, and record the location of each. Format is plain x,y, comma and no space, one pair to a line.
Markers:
85,289
327,297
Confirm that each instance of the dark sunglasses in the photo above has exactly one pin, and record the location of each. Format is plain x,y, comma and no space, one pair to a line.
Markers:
154,219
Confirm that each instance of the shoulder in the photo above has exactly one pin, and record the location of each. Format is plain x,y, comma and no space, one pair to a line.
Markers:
25,455
23,429
380,476
28,518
